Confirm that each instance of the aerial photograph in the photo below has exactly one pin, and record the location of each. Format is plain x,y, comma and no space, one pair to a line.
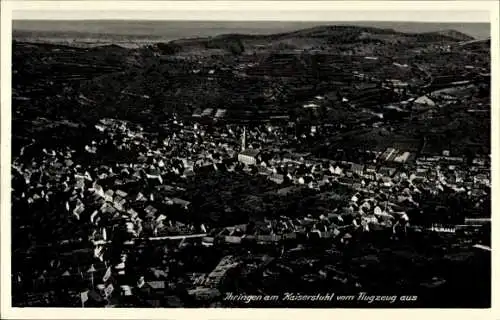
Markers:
250,164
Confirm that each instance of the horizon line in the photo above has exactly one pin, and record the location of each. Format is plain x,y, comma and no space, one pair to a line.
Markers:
260,21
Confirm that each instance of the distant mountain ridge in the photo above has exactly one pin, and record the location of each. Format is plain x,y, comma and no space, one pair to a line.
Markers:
125,33
455,35
360,38
329,31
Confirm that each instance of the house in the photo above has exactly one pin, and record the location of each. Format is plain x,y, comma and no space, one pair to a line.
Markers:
357,186
370,176
346,181
305,180
216,276
277,178
220,113
98,190
357,168
108,209
232,239
387,182
183,203
422,170
267,238
140,197
121,193
337,171
477,221
207,112
402,158
262,170
150,211
286,190
188,173
387,154
425,100
156,286
119,203
207,241
154,174
249,156
370,169
417,178
387,171
289,236
108,195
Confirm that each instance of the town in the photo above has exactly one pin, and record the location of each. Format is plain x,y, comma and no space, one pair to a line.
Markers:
364,180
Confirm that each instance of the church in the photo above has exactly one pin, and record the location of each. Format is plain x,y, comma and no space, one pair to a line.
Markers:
247,156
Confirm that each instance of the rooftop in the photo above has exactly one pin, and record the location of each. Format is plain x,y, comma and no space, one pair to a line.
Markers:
250,152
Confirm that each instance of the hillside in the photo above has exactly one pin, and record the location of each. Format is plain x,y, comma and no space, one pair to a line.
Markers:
453,34
232,71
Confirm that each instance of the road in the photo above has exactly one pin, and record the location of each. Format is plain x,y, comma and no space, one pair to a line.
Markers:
177,237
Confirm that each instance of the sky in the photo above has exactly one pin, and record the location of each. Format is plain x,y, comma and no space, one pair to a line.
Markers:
276,14
232,15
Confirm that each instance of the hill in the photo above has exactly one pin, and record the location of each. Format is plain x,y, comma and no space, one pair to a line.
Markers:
453,34
363,39
234,71
476,45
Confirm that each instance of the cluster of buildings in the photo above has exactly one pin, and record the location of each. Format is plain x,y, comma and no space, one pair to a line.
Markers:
141,195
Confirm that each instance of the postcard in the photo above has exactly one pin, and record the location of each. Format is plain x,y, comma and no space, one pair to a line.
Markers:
246,159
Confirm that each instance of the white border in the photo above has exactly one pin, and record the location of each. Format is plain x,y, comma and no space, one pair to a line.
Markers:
424,11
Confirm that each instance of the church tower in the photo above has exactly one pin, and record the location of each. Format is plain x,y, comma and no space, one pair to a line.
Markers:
244,139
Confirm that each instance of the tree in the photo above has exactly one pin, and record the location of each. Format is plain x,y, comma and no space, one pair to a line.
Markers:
169,48
236,47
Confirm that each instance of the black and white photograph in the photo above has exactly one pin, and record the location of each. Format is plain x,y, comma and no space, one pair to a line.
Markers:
339,162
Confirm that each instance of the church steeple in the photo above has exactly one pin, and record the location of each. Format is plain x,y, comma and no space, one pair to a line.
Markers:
244,139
